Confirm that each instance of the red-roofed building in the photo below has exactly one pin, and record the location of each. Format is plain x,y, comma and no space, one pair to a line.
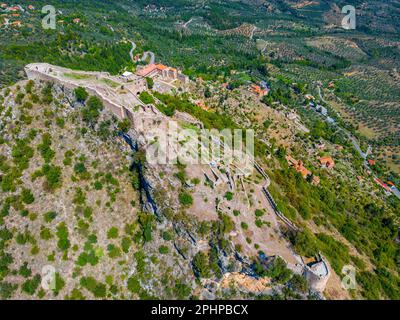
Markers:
327,162
157,69
258,90
371,162
16,23
4,5
31,7
382,184
14,9
150,70
298,166
202,105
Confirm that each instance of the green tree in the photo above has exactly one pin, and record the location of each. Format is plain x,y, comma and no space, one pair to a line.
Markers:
150,82
185,199
200,265
27,196
81,94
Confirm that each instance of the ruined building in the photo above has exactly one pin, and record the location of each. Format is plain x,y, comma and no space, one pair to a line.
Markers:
317,273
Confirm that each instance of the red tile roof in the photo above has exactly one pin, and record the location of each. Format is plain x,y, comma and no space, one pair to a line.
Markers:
151,67
327,161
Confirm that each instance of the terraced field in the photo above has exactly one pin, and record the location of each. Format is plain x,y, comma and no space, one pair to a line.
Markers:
338,46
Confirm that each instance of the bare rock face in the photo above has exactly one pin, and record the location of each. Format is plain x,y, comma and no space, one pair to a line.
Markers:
246,283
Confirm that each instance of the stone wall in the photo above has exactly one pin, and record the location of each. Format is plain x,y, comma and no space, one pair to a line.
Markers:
108,104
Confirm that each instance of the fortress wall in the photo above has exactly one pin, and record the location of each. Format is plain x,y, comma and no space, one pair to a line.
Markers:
183,78
37,75
108,104
119,111
113,107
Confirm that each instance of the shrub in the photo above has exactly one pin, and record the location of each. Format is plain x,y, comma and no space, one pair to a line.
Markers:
370,284
50,216
112,233
146,223
113,251
278,271
45,234
98,185
27,196
226,225
228,196
59,284
62,234
7,290
92,110
44,148
25,271
47,95
98,289
200,265
166,236
60,122
146,97
185,199
30,286
29,86
81,94
150,82
126,244
299,283
163,250
134,285
124,125
181,290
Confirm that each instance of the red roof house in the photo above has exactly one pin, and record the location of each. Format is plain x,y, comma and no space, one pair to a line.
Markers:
327,162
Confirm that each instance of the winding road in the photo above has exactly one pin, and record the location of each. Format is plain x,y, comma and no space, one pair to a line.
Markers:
353,140
146,54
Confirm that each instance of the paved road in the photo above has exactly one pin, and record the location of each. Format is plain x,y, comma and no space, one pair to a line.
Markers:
187,23
152,57
133,49
365,155
252,32
145,54
348,134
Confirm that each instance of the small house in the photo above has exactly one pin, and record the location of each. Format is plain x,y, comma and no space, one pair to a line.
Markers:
327,162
